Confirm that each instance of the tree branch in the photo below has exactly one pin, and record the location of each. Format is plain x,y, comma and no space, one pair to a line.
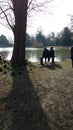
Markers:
6,18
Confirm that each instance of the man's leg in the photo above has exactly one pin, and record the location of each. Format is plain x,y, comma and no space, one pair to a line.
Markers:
72,63
45,60
41,60
52,59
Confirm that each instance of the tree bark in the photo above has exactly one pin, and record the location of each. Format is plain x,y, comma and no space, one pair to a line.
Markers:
20,12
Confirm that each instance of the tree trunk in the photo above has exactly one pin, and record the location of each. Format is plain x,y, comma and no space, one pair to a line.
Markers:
20,12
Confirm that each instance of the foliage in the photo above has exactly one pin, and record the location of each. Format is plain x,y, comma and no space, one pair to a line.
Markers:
40,38
4,42
28,40
64,38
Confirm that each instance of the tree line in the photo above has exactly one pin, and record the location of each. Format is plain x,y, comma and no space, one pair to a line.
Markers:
4,42
64,38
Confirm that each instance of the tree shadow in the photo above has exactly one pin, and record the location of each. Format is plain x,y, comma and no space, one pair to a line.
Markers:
53,66
23,105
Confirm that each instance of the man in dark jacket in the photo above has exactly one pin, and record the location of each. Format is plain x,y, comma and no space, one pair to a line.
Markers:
46,54
52,55
71,51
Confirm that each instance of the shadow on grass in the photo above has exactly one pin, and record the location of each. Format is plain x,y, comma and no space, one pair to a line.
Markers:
53,66
23,108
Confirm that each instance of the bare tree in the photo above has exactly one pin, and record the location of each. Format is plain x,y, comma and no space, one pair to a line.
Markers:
13,14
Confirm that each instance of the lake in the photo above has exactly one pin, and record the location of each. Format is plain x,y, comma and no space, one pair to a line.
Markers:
34,54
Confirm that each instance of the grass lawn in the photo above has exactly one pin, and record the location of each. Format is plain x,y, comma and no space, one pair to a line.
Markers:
37,98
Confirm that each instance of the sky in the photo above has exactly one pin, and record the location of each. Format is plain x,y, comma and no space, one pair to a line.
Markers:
54,20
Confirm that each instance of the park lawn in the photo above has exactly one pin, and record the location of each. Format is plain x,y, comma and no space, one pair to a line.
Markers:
37,98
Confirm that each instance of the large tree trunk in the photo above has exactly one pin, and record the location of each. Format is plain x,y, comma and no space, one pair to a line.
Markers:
20,12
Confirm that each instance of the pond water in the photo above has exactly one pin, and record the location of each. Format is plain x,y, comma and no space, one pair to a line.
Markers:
34,54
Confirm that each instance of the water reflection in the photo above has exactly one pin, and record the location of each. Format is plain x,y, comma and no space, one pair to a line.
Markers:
62,53
34,54
7,52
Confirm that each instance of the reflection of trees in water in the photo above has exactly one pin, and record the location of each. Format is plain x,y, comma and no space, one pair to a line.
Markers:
35,54
62,54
